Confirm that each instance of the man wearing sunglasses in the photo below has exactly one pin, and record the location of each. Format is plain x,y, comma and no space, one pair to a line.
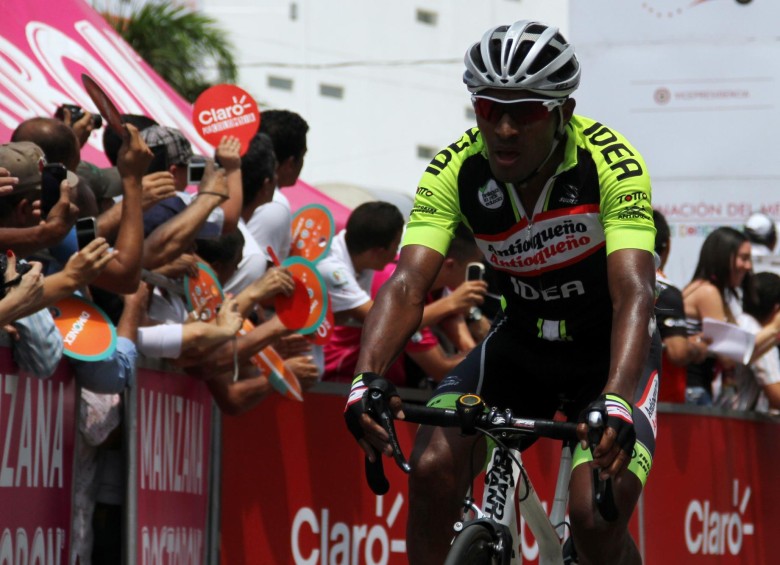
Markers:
560,206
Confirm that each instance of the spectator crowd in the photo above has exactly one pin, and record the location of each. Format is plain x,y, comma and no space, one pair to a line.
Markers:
151,227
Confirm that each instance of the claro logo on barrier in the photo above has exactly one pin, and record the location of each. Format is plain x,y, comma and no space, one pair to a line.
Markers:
315,540
712,532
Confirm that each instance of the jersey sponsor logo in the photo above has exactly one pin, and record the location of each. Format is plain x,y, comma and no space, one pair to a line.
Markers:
424,209
649,401
424,192
617,155
550,243
675,323
634,196
566,290
633,213
444,157
570,194
490,195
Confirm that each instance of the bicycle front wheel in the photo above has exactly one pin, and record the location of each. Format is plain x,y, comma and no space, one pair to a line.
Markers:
473,546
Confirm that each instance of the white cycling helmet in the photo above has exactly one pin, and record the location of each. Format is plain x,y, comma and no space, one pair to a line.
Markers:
524,56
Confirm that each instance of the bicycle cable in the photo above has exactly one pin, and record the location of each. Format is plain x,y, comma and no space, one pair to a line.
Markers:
515,460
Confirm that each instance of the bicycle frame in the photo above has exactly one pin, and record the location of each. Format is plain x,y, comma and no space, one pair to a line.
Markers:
504,484
504,474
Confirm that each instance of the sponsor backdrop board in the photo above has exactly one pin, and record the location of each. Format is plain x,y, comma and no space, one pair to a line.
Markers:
293,490
693,86
36,472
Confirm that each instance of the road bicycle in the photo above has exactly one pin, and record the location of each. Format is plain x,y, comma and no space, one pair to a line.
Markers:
488,534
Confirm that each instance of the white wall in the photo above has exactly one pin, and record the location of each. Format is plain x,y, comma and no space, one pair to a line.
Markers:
370,136
693,86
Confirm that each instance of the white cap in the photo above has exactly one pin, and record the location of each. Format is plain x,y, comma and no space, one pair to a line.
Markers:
760,224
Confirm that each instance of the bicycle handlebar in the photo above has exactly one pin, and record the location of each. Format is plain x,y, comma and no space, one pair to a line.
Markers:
470,419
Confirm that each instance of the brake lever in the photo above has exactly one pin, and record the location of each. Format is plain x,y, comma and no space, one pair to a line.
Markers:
602,489
377,406
385,419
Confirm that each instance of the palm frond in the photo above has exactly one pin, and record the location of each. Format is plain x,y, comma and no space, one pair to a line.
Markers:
179,44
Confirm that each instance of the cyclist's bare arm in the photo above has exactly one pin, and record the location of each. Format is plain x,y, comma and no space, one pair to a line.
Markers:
398,308
395,316
631,275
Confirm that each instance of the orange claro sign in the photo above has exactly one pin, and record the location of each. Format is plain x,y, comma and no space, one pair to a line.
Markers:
87,332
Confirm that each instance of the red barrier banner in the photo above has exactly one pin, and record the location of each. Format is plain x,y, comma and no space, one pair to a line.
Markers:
174,430
299,495
713,496
36,467
293,490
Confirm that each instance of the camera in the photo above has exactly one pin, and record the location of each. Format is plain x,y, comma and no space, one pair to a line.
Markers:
195,169
76,113
21,269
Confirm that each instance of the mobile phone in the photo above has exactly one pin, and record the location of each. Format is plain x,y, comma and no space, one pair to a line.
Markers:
52,176
159,161
86,230
195,169
475,271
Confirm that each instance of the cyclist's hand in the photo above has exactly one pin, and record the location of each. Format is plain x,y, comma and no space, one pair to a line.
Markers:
368,433
613,453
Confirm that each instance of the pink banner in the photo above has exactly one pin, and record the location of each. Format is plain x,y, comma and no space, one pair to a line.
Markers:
36,469
174,429
45,46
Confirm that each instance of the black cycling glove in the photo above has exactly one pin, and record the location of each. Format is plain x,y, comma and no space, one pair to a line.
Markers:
619,413
357,401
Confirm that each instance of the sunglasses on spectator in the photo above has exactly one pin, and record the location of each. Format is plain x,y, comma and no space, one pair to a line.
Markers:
523,111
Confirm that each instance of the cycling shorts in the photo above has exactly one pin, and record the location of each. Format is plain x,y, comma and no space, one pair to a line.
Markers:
535,378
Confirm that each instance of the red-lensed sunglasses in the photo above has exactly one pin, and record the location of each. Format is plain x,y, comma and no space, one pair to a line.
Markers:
524,111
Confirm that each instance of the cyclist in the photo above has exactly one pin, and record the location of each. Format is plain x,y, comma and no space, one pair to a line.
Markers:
560,206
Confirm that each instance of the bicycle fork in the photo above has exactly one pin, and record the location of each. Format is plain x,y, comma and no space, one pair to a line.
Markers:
503,480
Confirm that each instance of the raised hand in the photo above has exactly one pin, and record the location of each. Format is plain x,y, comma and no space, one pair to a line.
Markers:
228,317
276,280
293,345
304,368
7,182
85,266
156,187
229,153
82,127
185,264
134,155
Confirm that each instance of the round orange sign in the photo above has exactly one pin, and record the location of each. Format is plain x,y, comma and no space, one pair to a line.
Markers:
87,332
312,231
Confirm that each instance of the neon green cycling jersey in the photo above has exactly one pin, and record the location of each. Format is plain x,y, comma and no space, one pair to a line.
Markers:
552,261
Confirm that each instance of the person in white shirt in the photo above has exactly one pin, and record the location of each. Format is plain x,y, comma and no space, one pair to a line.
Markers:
258,183
271,223
369,242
